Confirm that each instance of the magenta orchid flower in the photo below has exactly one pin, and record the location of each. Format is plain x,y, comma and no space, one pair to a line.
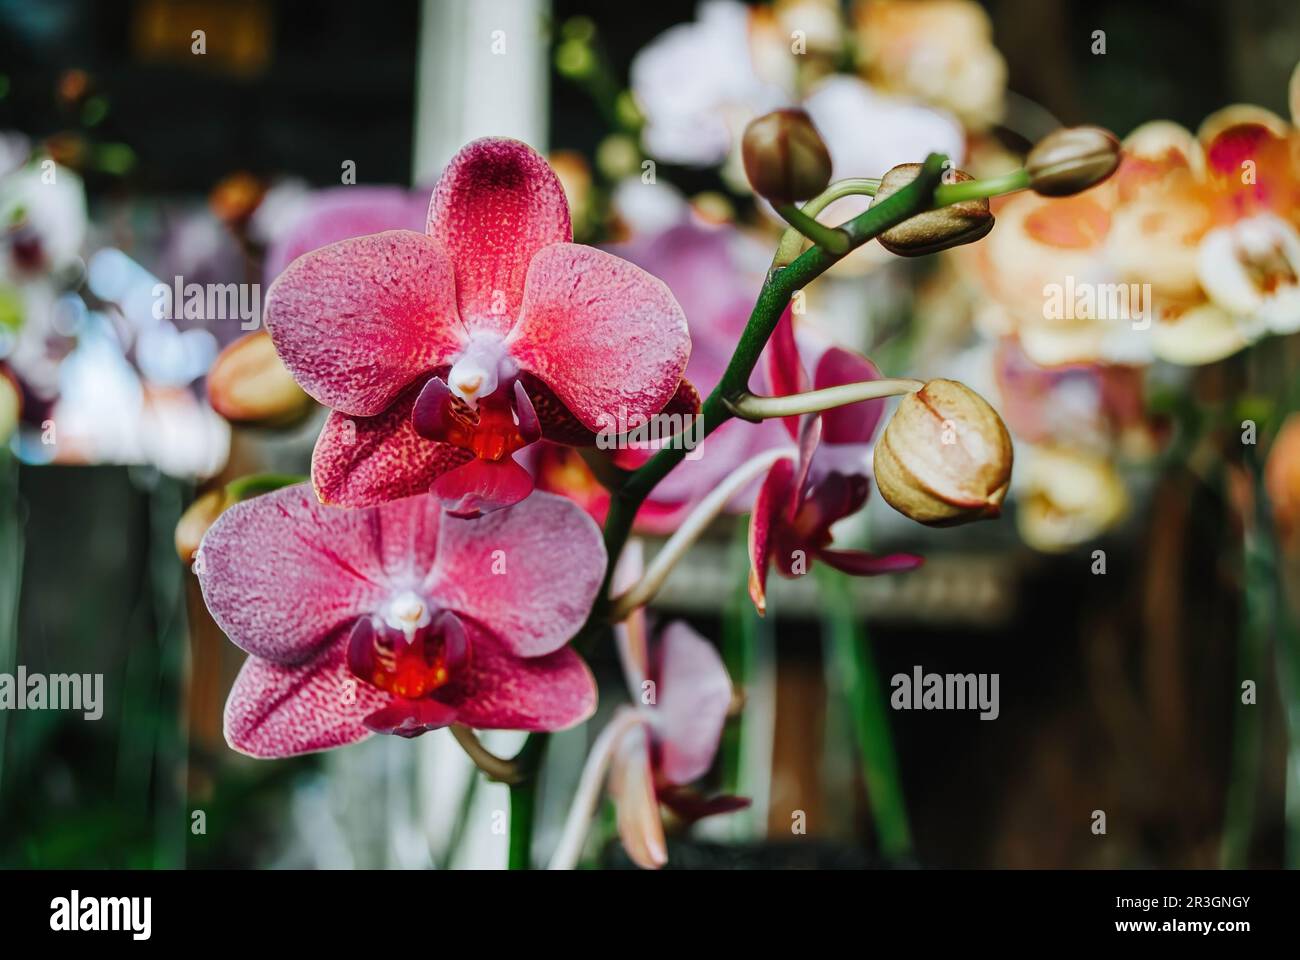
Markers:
683,695
399,618
801,499
649,753
443,354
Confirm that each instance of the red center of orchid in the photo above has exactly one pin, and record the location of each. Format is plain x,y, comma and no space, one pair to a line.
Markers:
408,651
490,432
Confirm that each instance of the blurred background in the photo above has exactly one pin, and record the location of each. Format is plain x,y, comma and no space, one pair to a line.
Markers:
215,140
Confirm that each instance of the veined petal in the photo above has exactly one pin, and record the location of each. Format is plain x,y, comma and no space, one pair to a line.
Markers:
785,372
856,422
773,499
501,691
365,461
528,573
356,321
631,786
693,697
496,205
481,486
280,572
604,335
859,563
280,711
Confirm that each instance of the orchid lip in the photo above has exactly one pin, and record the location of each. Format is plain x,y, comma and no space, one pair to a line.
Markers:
408,651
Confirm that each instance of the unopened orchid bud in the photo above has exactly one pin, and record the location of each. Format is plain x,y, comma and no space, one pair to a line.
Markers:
195,521
785,158
249,384
945,456
1072,159
937,229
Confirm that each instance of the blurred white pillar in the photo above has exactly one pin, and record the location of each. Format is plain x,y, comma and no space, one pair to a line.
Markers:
483,71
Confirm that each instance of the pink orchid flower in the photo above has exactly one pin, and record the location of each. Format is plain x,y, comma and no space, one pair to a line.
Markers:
829,480
399,618
442,354
712,272
668,740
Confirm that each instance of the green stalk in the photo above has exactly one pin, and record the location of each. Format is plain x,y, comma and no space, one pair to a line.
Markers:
780,286
1258,623
858,684
950,193
523,802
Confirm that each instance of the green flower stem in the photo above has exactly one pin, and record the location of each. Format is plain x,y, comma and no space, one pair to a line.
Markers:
859,684
949,193
832,238
755,408
684,537
523,802
781,285
1259,621
792,240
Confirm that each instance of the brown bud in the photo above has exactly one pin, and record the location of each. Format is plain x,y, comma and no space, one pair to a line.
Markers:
785,158
933,230
1072,159
944,457
196,520
249,384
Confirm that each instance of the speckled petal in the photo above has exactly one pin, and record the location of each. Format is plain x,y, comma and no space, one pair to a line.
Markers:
604,335
496,205
364,461
358,320
279,711
501,691
280,573
529,573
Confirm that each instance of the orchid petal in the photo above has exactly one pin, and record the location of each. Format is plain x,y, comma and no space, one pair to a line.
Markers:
357,321
859,563
502,691
482,486
631,785
604,335
410,718
280,573
773,498
529,573
366,461
855,422
530,427
495,207
785,372
693,697
280,711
